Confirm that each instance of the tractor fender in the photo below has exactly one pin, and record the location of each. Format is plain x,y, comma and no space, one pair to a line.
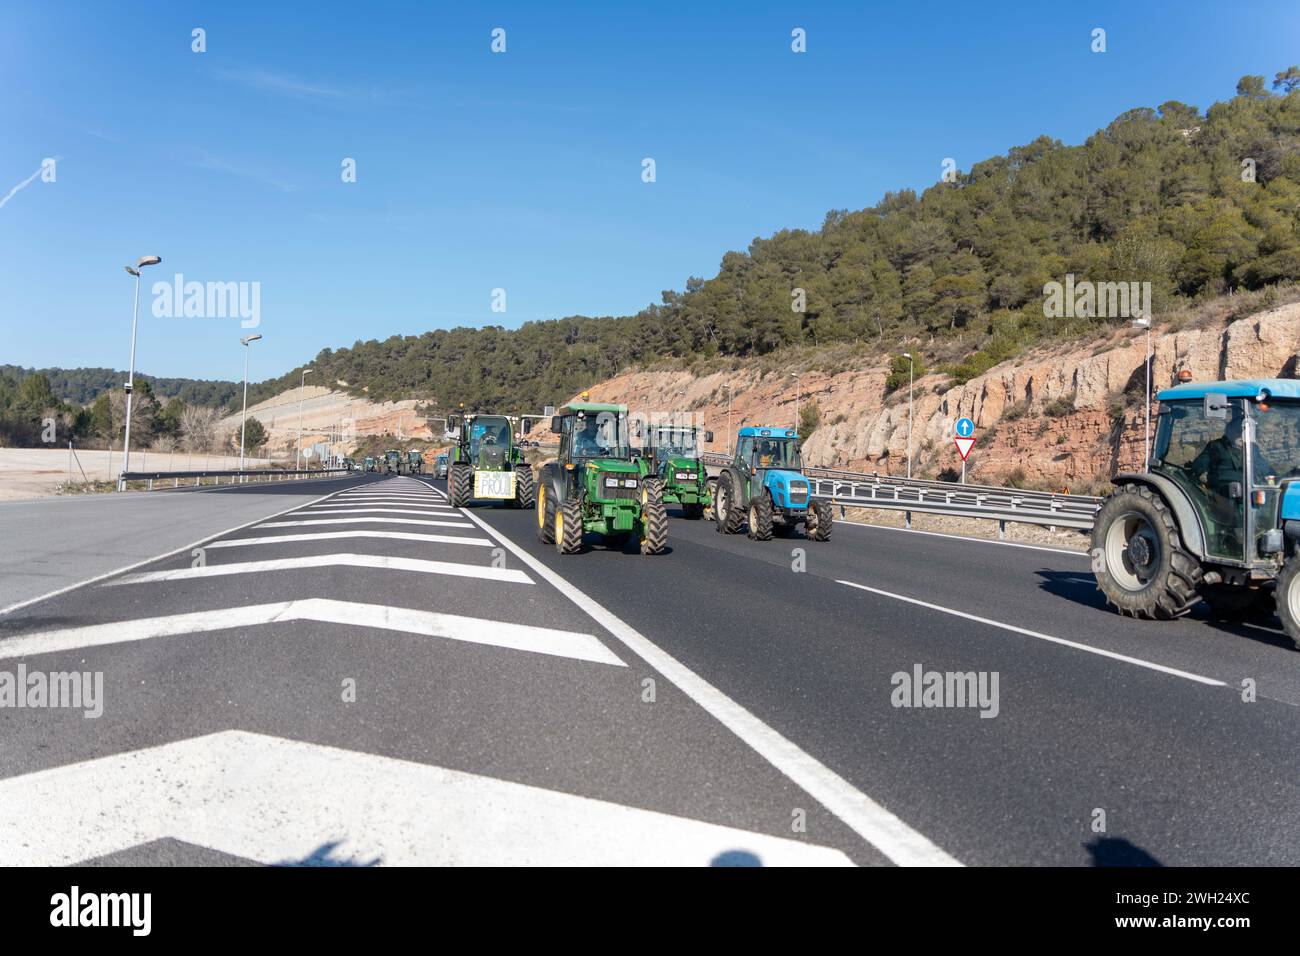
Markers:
1189,522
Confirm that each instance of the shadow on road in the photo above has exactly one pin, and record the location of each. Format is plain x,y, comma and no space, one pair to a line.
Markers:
1116,851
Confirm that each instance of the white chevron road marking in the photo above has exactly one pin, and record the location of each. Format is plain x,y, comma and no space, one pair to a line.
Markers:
379,509
271,800
381,562
424,521
332,535
455,627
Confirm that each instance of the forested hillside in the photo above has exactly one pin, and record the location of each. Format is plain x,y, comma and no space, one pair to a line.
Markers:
1194,203
80,386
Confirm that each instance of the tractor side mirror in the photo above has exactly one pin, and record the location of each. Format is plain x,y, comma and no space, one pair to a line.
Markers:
557,424
453,422
1216,405
708,437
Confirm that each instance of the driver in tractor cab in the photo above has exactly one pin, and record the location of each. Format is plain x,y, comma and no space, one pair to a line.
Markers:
588,442
766,452
1222,463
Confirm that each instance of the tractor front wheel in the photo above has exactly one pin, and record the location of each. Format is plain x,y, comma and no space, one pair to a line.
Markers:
524,487
459,479
1288,598
726,514
654,518
1139,559
817,525
760,516
568,527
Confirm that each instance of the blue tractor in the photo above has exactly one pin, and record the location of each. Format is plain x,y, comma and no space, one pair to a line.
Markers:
1216,516
764,487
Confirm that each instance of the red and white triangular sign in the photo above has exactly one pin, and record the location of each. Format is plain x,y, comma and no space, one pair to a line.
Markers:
964,445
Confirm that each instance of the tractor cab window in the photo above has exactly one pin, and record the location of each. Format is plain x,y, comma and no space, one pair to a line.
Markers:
598,436
776,453
676,442
1277,442
490,432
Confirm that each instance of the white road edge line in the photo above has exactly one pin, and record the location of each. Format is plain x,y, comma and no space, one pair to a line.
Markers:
159,557
1041,636
880,828
845,523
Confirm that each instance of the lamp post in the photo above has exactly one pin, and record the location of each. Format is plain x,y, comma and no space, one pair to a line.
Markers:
1144,322
911,367
243,418
795,376
297,459
130,375
730,434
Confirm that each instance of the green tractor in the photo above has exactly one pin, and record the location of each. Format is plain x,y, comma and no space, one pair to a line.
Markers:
673,455
597,484
486,463
1216,516
765,489
414,463
350,464
370,463
393,461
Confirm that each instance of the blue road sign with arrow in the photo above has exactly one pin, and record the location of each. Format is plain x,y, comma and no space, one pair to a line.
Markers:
965,427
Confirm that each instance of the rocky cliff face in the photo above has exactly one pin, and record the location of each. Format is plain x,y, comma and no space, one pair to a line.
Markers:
1061,416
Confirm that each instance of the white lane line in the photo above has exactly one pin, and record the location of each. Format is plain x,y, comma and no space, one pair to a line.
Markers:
331,535
381,562
299,524
277,801
520,637
389,499
1041,636
962,537
871,821
377,510
159,557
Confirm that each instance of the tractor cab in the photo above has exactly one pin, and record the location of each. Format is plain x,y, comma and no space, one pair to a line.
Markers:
1217,514
770,456
672,454
485,463
486,441
414,462
393,461
369,462
597,483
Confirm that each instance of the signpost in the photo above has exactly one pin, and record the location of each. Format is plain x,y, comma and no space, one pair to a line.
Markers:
964,439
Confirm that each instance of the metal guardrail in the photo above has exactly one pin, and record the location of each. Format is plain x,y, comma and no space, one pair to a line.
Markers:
991,502
266,474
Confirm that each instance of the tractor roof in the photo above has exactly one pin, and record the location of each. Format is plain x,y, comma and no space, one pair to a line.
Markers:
1238,388
770,432
574,407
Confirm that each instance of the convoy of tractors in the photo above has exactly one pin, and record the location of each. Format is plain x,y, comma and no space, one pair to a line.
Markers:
1215,516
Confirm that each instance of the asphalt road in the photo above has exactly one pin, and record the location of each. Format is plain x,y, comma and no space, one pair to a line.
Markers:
379,678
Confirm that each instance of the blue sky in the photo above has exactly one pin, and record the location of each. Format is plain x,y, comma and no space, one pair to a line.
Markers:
520,170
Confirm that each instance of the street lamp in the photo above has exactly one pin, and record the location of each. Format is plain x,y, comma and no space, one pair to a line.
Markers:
911,367
243,418
298,457
1144,322
795,376
130,375
730,434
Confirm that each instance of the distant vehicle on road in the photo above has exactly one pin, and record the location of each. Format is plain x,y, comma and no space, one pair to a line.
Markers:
485,463
440,466
414,463
673,455
1217,514
370,463
349,464
765,486
393,461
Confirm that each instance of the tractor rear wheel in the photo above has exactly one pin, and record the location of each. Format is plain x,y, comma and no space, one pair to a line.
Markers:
726,516
760,516
523,487
568,526
1139,559
545,515
1288,598
654,518
459,478
817,526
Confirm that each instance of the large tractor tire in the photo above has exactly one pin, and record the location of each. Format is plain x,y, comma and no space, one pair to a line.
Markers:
1288,598
1139,558
568,526
460,479
821,518
545,514
523,487
760,516
654,518
727,516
